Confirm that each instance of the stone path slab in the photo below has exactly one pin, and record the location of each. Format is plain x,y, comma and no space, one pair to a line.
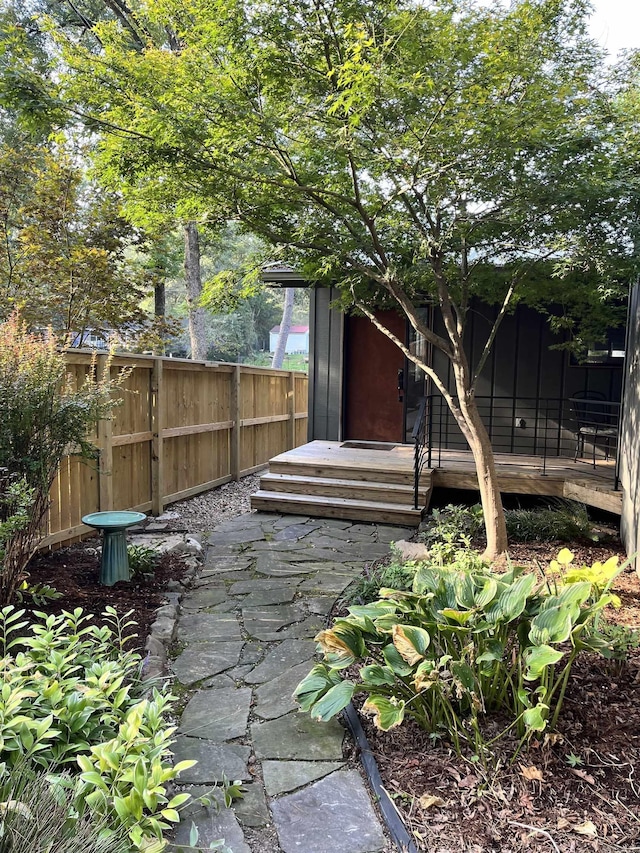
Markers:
298,737
248,626
206,659
275,698
281,777
217,715
216,761
334,814
284,655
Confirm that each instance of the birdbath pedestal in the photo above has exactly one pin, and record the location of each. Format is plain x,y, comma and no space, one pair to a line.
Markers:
115,562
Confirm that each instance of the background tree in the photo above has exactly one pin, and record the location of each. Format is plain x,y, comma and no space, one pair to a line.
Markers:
402,151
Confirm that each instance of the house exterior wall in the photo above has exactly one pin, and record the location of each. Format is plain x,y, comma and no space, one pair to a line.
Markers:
629,456
525,380
521,373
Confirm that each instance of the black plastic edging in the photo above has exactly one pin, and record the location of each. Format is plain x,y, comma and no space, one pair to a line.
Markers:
394,824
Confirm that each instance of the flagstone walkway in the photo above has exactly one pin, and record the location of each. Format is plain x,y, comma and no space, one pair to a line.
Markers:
246,639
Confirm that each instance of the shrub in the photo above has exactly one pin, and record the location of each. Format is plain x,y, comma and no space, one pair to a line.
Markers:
42,416
563,521
71,700
462,645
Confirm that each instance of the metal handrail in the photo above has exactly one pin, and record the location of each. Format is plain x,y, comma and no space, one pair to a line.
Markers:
421,448
534,426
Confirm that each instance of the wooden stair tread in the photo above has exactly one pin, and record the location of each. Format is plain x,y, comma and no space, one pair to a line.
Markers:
333,507
337,483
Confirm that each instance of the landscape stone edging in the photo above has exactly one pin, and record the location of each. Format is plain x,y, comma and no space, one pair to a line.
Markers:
163,630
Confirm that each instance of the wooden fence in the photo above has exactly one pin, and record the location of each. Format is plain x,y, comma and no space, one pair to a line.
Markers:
182,427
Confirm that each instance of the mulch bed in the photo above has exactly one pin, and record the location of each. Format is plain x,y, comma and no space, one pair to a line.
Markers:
576,789
75,571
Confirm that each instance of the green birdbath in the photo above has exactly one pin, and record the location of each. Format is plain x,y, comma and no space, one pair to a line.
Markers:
115,561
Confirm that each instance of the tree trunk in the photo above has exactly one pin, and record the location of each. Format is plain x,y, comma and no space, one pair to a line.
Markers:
490,497
193,281
159,309
285,327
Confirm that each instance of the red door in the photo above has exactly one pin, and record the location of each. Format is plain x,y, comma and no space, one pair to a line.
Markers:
372,408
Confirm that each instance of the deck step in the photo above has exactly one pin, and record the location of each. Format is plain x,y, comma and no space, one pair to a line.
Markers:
322,506
335,471
392,493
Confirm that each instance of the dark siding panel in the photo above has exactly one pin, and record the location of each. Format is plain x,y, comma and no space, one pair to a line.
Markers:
325,379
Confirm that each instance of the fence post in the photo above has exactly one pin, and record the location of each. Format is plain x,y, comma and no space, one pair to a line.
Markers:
105,435
291,424
157,442
234,450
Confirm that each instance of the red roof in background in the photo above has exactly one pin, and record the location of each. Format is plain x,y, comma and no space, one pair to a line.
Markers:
296,330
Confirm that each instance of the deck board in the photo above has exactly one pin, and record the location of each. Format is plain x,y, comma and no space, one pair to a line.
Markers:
338,463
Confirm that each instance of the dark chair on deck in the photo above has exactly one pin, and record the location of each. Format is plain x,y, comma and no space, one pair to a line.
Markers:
596,419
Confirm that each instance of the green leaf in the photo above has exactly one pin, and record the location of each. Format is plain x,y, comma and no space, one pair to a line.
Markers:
537,658
376,675
411,642
314,685
193,835
511,602
396,662
552,625
333,701
535,719
387,713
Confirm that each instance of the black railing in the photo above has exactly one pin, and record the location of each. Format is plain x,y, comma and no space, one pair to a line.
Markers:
584,426
421,448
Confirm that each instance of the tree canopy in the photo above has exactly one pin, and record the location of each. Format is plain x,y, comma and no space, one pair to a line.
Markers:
409,151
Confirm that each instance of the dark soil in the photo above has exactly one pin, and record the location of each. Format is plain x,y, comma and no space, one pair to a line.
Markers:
576,789
75,571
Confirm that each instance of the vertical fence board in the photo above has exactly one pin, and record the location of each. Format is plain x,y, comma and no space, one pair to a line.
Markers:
211,407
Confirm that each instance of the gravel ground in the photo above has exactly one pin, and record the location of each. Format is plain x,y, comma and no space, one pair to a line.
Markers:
202,513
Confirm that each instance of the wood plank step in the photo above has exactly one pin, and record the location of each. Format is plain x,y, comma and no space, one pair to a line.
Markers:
329,507
340,488
337,471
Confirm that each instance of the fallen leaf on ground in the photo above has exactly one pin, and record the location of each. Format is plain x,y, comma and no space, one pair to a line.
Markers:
586,828
428,800
531,773
582,774
563,823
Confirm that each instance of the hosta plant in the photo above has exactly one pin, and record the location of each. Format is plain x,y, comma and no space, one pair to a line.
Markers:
461,645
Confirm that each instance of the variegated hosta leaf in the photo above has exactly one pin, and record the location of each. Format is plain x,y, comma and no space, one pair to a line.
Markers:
459,616
396,662
387,713
485,596
465,590
344,640
427,674
386,623
411,642
333,701
537,658
535,719
314,685
571,595
376,675
553,625
512,601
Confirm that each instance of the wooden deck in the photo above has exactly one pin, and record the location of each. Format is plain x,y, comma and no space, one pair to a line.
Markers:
371,481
